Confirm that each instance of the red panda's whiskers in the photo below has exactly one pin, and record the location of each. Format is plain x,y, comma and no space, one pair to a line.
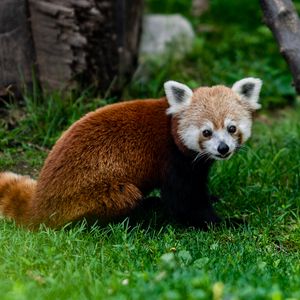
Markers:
201,155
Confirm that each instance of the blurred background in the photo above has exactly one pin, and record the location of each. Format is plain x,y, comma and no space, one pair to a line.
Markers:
230,42
61,59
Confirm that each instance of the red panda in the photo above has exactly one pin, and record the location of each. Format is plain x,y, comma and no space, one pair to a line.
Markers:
107,162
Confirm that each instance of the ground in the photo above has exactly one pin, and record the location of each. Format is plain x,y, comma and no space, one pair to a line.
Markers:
259,260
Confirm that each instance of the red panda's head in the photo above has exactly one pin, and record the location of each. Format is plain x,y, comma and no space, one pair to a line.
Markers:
213,121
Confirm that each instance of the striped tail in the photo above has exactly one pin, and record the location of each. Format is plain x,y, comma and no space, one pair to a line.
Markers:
16,194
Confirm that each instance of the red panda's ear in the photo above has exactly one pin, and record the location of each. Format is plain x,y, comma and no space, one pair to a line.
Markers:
249,89
179,96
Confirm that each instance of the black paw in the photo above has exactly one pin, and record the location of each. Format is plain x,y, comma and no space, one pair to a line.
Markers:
203,219
150,211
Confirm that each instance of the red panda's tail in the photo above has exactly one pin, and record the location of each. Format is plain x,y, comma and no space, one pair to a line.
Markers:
16,194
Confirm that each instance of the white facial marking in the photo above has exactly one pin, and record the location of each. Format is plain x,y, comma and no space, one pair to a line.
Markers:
190,137
207,126
228,122
219,136
245,128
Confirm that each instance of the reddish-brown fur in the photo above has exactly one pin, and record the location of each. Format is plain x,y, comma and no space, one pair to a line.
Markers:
101,166
16,194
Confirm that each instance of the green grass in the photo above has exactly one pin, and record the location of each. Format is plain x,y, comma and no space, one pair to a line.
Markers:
118,263
41,118
259,260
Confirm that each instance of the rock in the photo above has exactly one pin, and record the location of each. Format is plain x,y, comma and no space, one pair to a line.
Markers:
162,33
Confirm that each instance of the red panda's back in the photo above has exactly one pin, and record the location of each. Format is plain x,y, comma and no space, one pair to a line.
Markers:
124,145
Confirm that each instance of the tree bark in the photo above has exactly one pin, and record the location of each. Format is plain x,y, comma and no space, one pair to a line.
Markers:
74,42
93,42
16,49
282,18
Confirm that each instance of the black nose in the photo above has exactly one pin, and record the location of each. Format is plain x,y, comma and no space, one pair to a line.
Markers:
223,148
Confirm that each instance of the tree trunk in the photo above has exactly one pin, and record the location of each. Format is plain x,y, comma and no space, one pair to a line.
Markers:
282,18
16,49
77,42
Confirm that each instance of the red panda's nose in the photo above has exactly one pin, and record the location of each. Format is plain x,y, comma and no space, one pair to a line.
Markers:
223,148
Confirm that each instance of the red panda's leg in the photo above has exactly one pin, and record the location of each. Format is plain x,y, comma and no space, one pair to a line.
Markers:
103,203
185,193
120,199
145,210
188,205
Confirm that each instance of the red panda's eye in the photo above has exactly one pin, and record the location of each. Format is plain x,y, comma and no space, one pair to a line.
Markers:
231,129
207,133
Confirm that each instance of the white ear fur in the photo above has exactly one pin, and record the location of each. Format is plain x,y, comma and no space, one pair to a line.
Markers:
249,89
179,96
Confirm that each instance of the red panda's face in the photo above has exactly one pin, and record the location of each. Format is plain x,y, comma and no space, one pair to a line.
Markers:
216,121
